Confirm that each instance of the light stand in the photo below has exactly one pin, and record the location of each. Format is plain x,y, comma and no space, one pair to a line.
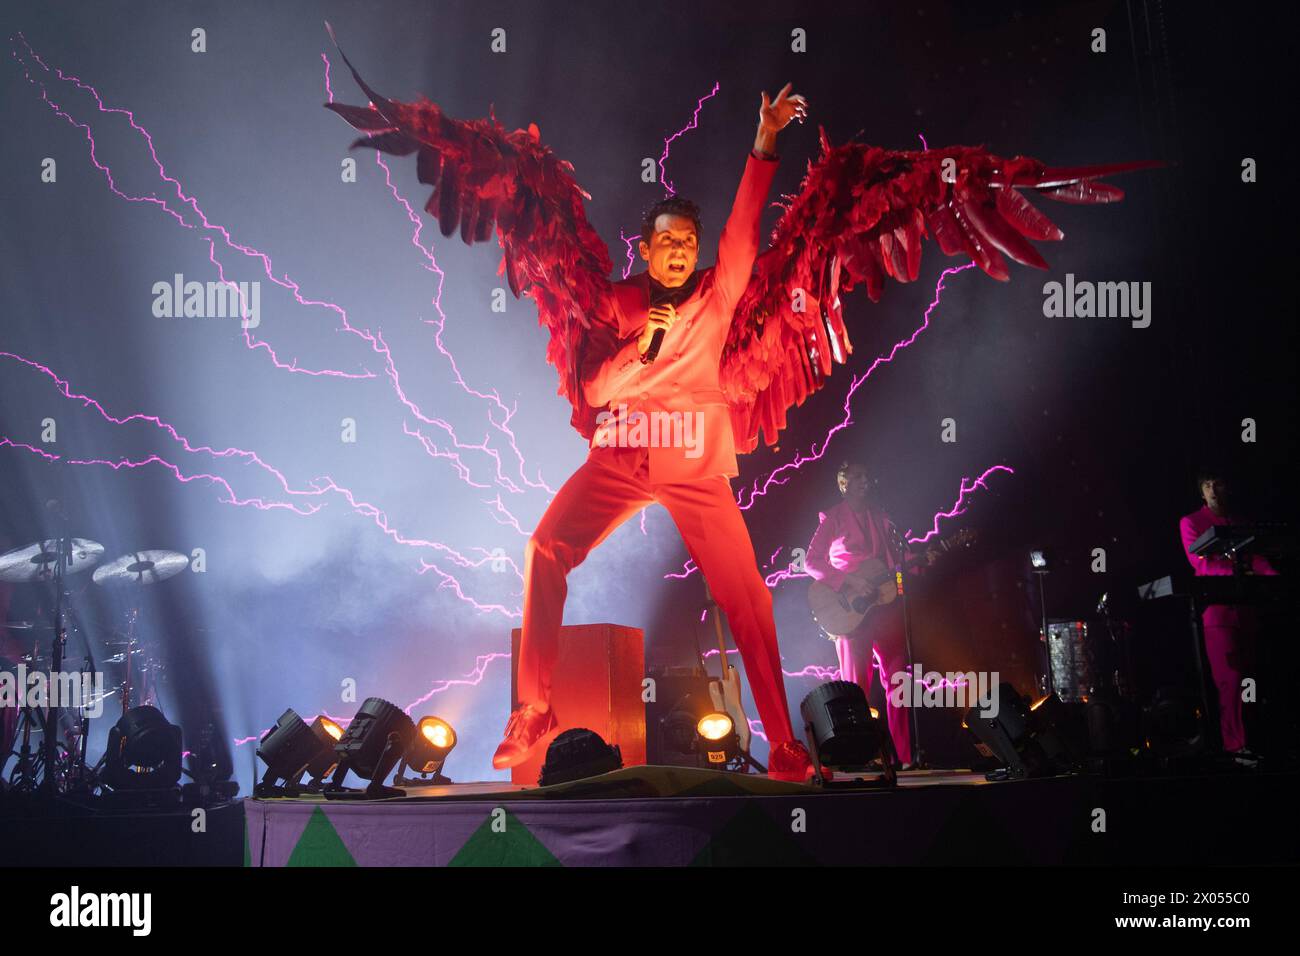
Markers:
1038,561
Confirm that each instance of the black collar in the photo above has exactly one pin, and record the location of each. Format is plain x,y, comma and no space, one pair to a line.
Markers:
662,294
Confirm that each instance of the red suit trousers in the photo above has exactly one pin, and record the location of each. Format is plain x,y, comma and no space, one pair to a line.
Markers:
611,486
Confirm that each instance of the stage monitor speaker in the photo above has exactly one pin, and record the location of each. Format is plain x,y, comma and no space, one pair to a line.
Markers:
596,684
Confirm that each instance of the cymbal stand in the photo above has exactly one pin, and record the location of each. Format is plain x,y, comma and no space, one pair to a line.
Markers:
49,782
132,615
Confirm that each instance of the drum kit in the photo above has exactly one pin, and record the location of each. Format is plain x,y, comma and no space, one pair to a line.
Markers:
134,668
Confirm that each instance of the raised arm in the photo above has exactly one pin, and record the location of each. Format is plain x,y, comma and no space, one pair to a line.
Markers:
738,244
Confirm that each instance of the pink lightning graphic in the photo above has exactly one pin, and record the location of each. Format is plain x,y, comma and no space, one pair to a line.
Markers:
320,486
291,366
800,460
184,478
693,124
669,189
776,476
375,340
439,324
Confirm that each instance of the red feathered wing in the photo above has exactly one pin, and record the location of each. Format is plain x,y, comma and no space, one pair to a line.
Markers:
860,215
484,178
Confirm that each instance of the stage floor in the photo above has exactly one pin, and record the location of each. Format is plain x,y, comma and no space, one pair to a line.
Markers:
669,816
656,782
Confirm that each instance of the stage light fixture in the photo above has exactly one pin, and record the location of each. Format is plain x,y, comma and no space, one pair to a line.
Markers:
372,745
1038,559
144,751
1002,737
694,727
841,730
434,739
576,754
1028,739
715,735
286,749
681,725
715,726
328,733
1052,723
292,748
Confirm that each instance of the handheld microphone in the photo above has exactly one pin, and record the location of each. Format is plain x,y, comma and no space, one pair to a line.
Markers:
657,298
652,352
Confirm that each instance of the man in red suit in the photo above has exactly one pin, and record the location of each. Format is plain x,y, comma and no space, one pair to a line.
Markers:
665,435
1229,631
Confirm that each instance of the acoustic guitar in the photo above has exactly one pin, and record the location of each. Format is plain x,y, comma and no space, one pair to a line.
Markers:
870,585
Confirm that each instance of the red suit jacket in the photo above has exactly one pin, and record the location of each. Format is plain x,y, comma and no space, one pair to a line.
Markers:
684,378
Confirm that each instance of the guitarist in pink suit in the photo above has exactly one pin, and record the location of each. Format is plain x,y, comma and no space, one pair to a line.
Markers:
661,368
851,533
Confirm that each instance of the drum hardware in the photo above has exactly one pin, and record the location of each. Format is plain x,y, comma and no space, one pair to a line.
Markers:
39,563
140,568
130,573
64,560
1071,662
57,762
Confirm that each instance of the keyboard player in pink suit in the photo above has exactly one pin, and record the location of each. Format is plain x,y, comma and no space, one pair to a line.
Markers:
1229,629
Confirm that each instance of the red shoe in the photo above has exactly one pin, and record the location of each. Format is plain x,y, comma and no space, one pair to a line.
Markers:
790,762
524,729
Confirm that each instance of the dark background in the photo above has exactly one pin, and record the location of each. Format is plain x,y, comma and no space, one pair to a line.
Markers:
1103,424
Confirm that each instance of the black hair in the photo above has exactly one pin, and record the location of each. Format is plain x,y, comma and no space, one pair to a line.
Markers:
844,469
1209,472
674,206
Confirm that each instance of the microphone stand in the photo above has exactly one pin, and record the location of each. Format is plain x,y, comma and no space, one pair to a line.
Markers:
901,547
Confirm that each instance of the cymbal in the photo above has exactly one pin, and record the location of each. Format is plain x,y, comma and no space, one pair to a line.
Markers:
27,626
36,561
141,567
